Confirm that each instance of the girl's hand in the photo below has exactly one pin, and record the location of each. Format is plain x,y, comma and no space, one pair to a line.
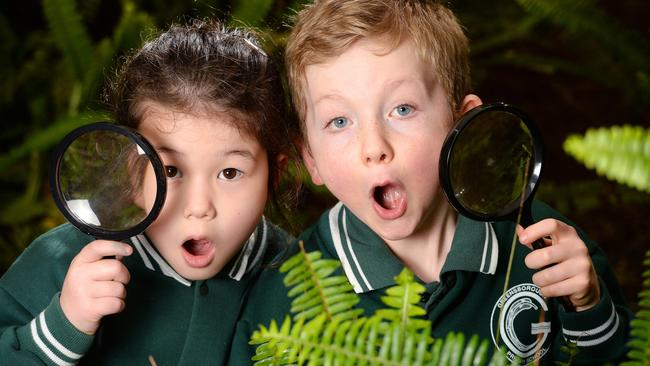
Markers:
95,285
565,267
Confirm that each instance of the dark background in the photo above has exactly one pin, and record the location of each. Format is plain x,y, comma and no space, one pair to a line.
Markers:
570,65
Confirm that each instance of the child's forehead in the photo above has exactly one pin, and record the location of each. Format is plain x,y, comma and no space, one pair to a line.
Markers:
378,46
160,122
164,116
369,65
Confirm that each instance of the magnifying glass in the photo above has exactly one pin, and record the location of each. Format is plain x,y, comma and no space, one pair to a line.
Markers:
491,164
107,181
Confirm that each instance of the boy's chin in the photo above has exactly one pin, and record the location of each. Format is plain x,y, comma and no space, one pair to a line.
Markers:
392,235
391,230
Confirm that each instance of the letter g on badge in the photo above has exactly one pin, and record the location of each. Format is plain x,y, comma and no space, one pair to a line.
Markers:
518,317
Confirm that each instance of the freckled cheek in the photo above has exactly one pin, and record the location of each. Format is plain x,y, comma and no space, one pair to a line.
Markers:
338,158
423,163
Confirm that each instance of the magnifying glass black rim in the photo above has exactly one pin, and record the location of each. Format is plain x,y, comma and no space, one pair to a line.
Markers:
450,141
97,232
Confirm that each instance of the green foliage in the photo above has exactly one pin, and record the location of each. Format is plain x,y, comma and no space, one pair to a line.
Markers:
315,291
639,354
603,50
251,12
328,330
70,35
619,153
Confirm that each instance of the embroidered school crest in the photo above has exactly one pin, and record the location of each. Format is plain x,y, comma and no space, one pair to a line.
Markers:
518,323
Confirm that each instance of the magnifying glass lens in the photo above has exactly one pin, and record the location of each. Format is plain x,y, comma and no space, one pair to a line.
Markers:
488,160
108,181
100,178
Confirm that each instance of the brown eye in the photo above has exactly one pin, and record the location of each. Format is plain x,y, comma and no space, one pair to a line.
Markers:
229,174
171,171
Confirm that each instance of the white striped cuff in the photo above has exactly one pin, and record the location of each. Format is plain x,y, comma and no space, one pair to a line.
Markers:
595,335
51,335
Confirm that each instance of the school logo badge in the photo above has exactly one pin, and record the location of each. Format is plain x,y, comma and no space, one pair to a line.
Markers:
518,322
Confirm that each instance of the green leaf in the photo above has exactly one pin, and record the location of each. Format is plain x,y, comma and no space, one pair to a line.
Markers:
251,12
329,330
48,137
619,153
70,35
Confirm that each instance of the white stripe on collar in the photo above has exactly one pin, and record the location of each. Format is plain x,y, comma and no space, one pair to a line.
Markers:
238,271
243,264
138,247
335,232
166,269
492,244
352,253
263,244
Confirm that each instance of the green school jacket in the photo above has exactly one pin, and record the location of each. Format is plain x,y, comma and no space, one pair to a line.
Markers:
468,298
173,320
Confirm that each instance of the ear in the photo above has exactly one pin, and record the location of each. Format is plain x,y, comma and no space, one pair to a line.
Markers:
281,165
282,162
310,163
470,101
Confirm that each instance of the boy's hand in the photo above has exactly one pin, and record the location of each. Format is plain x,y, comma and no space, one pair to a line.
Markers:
565,265
94,285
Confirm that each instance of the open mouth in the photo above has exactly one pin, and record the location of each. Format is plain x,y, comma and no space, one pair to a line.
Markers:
198,253
390,201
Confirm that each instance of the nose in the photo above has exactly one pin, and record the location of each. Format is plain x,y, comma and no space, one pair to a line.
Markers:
199,202
376,146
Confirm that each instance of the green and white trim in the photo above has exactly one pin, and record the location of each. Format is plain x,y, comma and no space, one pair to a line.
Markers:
596,335
343,246
248,258
54,337
370,265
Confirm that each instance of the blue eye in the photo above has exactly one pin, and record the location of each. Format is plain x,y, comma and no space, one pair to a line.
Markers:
172,171
403,110
230,174
339,122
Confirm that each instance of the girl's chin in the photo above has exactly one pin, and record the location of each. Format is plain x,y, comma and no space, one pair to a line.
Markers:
194,274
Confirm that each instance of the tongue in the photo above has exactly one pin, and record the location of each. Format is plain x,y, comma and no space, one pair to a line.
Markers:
198,247
391,197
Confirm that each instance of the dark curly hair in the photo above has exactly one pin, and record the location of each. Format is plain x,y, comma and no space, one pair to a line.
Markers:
205,64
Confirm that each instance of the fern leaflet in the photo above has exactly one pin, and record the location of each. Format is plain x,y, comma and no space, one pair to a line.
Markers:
327,330
639,354
619,153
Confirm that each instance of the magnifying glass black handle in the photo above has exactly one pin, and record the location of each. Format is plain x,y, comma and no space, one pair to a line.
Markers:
538,244
527,220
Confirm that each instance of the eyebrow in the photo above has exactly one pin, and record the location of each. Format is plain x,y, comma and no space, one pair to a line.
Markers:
393,84
333,96
246,154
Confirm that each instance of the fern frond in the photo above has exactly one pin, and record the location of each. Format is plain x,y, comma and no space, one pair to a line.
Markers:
330,332
70,35
584,19
321,342
639,343
619,153
571,350
252,12
315,291
48,137
403,302
128,33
